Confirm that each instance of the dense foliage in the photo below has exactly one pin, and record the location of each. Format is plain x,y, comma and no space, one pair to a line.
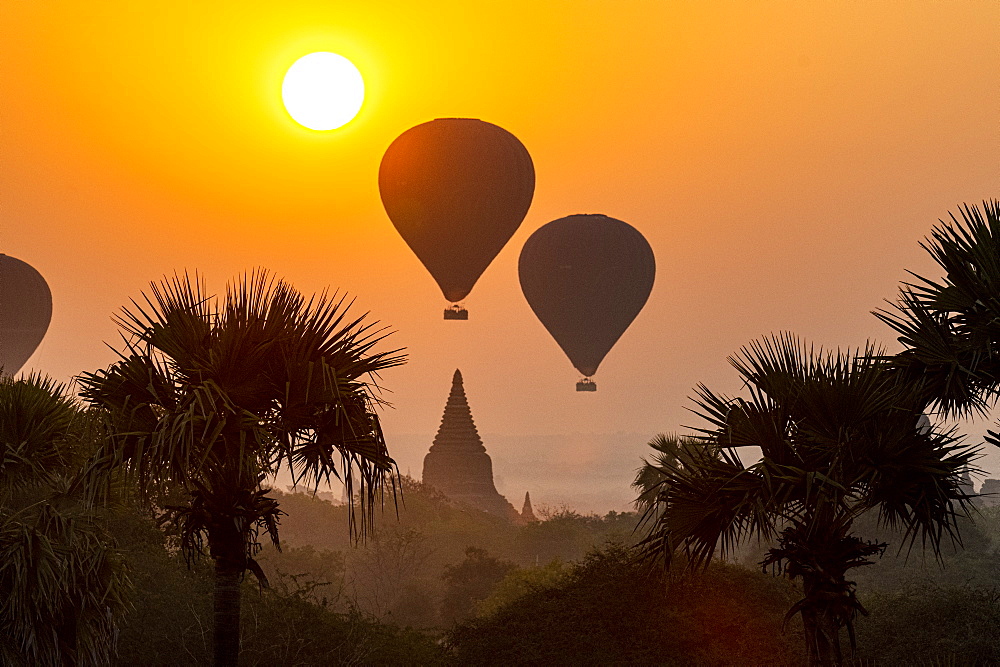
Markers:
398,572
289,623
610,609
470,582
603,608
62,582
957,625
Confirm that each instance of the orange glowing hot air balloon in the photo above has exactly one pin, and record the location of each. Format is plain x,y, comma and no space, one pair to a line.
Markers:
456,189
25,312
586,277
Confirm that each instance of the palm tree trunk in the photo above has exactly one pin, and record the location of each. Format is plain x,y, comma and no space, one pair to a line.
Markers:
227,613
822,633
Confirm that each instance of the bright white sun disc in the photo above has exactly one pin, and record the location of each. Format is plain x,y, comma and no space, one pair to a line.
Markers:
323,91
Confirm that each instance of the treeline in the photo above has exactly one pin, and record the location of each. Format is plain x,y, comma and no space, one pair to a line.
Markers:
469,592
291,622
444,584
398,571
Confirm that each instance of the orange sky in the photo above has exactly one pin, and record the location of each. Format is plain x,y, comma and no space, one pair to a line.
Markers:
782,158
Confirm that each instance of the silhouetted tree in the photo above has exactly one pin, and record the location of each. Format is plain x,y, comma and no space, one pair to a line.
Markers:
62,583
469,582
215,396
838,437
951,327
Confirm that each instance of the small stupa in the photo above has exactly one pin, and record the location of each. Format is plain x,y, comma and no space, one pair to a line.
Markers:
457,464
527,514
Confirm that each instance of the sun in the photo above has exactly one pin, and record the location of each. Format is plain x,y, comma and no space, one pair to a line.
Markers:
323,91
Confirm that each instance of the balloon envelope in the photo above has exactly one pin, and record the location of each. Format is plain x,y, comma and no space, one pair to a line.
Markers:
456,189
25,312
586,277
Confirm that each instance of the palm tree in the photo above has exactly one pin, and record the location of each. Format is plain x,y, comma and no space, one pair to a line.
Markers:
62,583
216,396
951,328
838,437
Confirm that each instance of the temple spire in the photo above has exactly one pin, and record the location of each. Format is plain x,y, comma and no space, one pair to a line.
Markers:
457,464
457,431
527,514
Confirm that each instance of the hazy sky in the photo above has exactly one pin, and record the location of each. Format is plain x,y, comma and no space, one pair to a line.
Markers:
783,159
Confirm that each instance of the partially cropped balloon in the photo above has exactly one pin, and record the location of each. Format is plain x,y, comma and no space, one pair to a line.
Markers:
586,277
456,189
25,312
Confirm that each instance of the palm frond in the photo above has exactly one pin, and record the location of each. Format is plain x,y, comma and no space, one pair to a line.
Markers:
951,326
704,502
668,451
37,430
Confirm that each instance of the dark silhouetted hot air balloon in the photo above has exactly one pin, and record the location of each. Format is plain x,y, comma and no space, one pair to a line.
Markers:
586,277
456,189
25,311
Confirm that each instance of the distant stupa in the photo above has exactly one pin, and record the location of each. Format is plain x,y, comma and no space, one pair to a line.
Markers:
527,514
457,464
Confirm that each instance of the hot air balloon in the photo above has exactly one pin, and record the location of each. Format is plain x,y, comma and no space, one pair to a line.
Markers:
456,189
586,277
25,311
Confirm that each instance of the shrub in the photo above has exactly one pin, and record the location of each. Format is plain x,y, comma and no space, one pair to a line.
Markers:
612,610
